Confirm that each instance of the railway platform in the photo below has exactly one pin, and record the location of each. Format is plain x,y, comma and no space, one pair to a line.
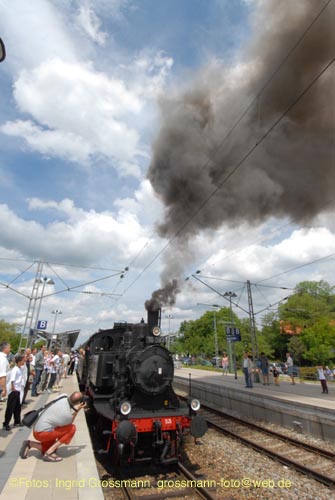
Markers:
74,478
301,407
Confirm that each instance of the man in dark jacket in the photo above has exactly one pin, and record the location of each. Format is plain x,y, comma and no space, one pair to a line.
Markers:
29,371
264,362
39,367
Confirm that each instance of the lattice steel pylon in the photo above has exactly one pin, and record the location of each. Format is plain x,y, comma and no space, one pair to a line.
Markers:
32,305
253,335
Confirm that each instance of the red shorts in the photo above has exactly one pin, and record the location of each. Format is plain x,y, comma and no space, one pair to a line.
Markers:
63,434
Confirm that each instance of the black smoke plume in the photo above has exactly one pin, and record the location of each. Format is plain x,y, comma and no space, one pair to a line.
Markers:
165,296
291,173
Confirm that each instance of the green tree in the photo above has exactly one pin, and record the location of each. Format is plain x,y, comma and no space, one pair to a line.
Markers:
197,336
8,333
274,344
316,289
311,310
297,348
319,339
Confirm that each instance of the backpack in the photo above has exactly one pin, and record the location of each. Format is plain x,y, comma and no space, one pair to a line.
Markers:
30,418
258,363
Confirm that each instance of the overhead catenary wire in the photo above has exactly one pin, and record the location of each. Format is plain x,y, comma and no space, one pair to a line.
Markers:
236,304
259,283
240,281
269,235
61,264
220,145
297,267
260,92
234,252
262,294
14,290
67,287
215,152
235,168
19,275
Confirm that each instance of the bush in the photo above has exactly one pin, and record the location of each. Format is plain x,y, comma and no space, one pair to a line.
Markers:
308,372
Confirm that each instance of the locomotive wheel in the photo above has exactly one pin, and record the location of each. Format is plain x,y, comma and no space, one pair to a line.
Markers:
114,454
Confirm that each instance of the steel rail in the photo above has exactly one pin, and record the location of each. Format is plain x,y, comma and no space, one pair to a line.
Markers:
284,459
287,439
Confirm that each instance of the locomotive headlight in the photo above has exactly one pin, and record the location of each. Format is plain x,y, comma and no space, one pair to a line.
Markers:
195,404
156,331
125,408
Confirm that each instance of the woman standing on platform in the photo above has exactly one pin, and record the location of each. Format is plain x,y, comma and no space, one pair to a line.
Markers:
247,370
225,364
289,364
322,378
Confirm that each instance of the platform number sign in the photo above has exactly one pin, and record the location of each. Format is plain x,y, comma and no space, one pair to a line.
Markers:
233,334
42,325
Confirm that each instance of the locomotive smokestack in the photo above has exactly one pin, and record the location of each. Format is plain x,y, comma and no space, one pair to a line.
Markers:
154,319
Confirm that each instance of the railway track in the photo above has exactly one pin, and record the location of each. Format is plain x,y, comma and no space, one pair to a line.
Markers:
184,484
303,457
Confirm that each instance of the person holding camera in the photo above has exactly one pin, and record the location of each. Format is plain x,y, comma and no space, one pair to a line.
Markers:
55,427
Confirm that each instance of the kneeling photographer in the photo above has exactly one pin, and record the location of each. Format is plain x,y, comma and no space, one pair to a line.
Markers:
55,426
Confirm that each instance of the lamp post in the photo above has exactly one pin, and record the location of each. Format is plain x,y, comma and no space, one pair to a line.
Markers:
169,317
216,342
231,295
55,312
44,281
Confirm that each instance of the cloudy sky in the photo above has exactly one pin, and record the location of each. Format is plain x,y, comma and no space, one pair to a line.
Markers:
97,97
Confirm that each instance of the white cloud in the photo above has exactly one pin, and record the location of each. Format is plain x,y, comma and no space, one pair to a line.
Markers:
74,111
234,260
91,24
66,108
144,202
122,236
34,32
257,262
83,237
66,145
149,73
80,113
75,104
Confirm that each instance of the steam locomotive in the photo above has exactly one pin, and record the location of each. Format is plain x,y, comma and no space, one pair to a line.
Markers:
127,373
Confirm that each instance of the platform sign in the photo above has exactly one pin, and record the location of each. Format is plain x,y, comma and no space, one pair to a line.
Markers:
233,334
42,325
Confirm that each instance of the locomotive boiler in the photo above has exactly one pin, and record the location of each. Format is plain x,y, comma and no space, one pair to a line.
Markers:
127,373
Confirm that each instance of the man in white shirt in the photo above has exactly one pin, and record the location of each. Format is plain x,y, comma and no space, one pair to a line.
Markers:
15,396
54,366
247,370
289,364
66,361
30,372
4,368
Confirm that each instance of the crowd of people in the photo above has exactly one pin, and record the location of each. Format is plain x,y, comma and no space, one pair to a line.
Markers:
263,368
39,370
